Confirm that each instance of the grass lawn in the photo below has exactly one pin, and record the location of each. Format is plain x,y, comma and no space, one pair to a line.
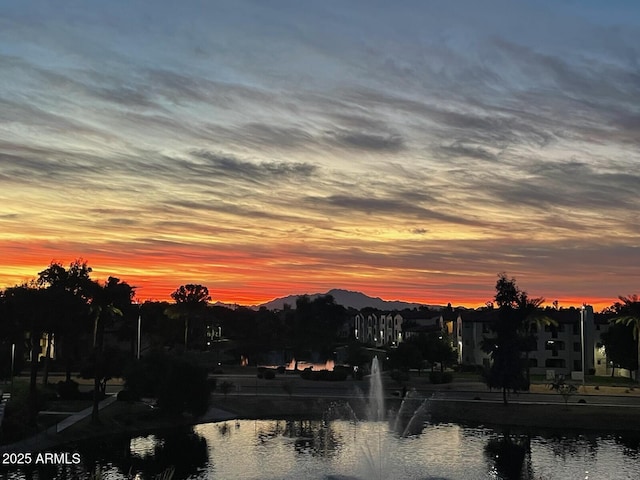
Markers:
116,418
16,414
594,380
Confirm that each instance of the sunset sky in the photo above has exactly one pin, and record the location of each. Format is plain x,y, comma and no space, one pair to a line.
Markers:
409,150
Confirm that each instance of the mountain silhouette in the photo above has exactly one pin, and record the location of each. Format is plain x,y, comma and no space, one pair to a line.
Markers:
346,298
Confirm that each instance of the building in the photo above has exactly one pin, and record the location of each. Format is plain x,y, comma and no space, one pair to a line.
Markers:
560,348
378,328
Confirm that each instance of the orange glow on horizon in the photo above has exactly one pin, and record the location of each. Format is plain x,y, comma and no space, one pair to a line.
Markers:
234,278
158,286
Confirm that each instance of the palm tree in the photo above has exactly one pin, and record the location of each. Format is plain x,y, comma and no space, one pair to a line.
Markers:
513,335
532,319
107,302
628,313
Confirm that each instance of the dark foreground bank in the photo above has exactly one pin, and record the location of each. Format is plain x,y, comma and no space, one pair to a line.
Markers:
135,418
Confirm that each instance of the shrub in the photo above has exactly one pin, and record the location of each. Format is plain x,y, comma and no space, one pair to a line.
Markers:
20,414
213,383
469,369
399,376
288,387
325,375
178,384
440,377
339,375
127,396
68,390
565,389
226,387
17,422
343,368
266,373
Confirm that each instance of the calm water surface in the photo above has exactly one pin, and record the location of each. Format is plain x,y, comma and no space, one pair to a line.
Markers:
304,449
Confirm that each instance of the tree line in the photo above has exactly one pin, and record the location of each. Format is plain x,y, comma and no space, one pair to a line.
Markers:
94,327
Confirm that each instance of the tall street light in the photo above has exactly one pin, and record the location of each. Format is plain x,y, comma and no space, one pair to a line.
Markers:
13,362
139,333
582,343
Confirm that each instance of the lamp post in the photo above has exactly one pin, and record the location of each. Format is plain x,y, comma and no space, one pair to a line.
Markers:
582,344
139,334
13,361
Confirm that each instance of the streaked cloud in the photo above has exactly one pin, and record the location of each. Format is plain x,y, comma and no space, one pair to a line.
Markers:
410,151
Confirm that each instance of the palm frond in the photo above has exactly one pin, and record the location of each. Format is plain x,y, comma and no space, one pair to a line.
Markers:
629,321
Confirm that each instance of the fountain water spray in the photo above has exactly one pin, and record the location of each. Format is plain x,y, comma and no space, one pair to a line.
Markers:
376,393
408,420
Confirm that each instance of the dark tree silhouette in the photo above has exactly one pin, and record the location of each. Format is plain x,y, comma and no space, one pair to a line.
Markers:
157,327
107,303
178,384
621,347
512,335
627,312
69,291
11,336
315,324
408,355
191,303
28,305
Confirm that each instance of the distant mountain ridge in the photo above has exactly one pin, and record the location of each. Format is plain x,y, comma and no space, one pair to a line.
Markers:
346,298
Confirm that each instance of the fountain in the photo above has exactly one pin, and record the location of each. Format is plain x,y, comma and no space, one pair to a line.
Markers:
374,433
409,417
376,393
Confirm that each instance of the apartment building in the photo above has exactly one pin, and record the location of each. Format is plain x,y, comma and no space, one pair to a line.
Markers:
560,349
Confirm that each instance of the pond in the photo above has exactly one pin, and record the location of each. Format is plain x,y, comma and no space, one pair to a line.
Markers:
348,450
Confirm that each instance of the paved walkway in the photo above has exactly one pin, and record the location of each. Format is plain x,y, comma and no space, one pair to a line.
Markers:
48,438
3,403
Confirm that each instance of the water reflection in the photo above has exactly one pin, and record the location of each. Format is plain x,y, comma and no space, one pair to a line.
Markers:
569,445
320,449
314,438
510,456
187,453
146,457
631,446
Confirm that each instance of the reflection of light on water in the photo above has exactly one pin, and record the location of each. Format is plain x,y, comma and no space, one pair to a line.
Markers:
144,446
347,450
